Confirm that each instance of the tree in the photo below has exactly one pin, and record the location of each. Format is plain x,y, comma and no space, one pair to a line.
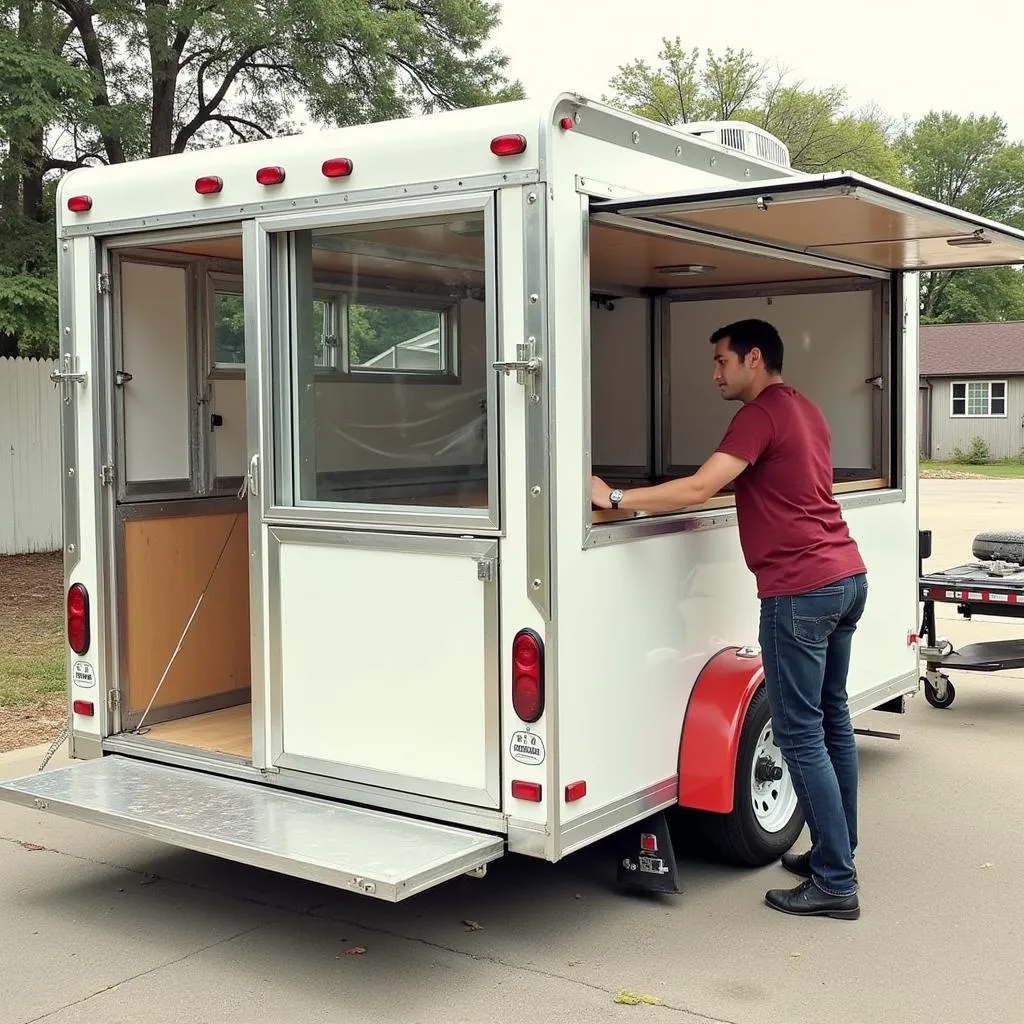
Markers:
105,81
206,72
37,86
967,162
813,123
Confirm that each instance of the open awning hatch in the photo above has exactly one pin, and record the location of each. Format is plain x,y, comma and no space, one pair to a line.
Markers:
836,216
354,848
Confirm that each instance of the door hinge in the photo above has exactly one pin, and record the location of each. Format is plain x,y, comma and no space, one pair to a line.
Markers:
113,699
65,377
107,474
485,570
103,284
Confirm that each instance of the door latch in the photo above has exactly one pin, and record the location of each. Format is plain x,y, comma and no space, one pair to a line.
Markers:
66,376
121,377
527,364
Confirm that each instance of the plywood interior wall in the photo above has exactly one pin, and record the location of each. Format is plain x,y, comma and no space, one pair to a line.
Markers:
167,563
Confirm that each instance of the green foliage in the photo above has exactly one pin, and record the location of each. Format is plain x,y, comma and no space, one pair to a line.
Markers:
967,162
374,329
813,123
978,454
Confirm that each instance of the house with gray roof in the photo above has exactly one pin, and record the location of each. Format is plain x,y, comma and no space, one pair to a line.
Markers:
971,385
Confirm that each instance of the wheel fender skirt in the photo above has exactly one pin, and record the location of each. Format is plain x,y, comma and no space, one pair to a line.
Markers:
711,730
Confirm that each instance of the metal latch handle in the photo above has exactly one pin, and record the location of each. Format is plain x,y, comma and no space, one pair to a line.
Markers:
526,364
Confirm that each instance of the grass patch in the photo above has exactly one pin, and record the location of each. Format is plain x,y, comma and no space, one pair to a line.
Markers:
28,680
1005,468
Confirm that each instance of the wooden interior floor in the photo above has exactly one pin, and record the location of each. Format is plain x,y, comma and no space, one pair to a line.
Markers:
228,731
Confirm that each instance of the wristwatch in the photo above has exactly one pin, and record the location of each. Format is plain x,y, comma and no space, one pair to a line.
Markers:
615,497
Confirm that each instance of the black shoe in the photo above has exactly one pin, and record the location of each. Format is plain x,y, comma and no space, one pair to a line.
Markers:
807,900
800,864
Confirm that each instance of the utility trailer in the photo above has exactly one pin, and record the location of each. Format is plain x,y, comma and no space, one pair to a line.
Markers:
991,586
338,602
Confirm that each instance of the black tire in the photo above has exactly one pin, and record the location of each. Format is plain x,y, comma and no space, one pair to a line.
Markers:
999,546
931,695
738,837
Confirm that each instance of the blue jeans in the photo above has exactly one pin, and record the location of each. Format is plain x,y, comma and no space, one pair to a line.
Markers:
805,647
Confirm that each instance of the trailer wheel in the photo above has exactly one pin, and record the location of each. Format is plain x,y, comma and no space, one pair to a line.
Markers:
766,818
931,694
999,546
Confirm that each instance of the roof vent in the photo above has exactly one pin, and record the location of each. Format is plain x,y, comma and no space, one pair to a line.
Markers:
742,136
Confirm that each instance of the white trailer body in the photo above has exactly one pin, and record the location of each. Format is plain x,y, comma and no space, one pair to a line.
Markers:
338,602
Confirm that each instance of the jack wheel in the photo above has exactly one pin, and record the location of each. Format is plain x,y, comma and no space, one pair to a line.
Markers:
932,695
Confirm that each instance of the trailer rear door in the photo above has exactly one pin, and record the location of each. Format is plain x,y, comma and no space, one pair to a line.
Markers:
374,497
841,217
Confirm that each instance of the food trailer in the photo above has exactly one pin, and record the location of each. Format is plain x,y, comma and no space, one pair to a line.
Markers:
338,603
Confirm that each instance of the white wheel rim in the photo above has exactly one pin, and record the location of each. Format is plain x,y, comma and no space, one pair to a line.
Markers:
773,802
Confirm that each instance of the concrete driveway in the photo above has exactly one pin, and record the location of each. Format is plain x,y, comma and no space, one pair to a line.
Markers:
101,928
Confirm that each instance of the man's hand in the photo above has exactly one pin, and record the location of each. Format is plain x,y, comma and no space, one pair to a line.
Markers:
600,493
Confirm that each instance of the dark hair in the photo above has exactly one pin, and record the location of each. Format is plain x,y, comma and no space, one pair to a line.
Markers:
747,334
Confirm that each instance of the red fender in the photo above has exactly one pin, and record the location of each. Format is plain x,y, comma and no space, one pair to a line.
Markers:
711,730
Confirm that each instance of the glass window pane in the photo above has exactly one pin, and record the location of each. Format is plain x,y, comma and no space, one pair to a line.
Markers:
228,329
998,406
998,389
959,390
395,338
959,406
403,419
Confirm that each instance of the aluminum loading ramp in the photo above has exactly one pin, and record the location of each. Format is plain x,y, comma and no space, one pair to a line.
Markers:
366,851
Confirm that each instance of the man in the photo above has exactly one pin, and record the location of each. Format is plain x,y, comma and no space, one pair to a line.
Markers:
812,585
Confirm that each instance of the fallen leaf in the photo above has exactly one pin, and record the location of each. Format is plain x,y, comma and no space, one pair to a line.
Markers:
794,956
355,951
32,846
633,999
473,926
575,963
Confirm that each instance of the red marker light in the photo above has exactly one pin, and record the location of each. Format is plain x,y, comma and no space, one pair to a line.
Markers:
508,145
567,124
648,843
338,167
575,791
80,204
270,175
85,708
526,791
208,185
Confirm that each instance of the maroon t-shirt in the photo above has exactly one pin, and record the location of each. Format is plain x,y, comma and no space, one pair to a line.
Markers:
792,531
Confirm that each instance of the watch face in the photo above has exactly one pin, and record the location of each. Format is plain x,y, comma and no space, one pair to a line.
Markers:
616,495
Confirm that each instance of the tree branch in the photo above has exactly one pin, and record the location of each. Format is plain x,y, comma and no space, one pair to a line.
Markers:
205,111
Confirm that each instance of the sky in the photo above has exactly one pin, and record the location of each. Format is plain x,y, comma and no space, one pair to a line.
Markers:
906,56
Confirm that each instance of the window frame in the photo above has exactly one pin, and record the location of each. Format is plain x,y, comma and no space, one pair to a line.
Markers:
446,304
988,383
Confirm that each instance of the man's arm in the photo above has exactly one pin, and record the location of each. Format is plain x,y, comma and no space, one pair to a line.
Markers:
721,469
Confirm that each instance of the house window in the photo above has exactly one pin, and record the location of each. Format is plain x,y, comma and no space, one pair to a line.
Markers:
979,398
228,330
397,338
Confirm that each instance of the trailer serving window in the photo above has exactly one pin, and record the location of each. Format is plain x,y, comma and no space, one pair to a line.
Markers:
399,425
655,412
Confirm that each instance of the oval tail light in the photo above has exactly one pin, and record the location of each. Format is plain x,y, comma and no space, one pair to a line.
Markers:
528,675
270,175
209,185
80,204
78,618
508,145
337,167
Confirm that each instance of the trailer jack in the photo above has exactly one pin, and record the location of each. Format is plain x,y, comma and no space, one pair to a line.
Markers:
646,858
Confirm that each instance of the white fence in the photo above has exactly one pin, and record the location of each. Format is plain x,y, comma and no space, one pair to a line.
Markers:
30,465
